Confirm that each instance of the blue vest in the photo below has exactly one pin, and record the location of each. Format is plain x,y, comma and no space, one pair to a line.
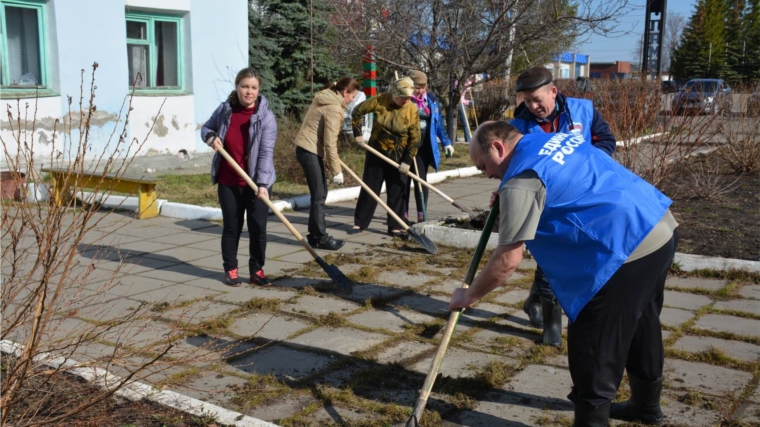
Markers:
596,213
581,111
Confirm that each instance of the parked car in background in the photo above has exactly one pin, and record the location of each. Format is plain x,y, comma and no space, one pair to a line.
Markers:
711,96
669,86
753,104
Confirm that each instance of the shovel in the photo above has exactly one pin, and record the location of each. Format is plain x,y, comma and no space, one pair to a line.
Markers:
332,271
419,407
420,180
422,240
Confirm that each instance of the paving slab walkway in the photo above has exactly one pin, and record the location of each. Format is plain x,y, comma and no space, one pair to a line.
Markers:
299,353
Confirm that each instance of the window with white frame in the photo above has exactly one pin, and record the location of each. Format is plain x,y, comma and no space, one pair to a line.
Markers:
154,53
23,60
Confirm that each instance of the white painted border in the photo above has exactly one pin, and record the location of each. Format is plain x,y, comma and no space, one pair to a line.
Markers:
136,390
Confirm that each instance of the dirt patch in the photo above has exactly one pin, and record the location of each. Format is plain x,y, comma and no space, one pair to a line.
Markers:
727,225
47,399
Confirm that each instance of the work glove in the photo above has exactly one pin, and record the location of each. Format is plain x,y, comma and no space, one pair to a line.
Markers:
449,149
403,168
359,140
338,179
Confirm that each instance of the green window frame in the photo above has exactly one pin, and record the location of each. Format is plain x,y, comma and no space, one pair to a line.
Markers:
154,50
17,75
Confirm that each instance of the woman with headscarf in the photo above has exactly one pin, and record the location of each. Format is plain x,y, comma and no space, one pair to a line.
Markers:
395,134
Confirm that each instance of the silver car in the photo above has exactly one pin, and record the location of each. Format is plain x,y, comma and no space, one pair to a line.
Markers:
710,96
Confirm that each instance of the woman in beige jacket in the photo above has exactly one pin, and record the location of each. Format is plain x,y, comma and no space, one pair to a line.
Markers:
317,142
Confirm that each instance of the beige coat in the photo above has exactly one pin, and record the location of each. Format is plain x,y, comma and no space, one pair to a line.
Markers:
321,127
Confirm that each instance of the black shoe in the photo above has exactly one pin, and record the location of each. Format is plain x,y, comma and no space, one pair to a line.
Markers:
261,279
231,278
329,243
598,417
532,307
552,312
355,230
644,404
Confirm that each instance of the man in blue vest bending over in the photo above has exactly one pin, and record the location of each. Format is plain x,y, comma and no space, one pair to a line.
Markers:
546,111
605,239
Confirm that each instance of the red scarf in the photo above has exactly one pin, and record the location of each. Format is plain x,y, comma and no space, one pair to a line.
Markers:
421,104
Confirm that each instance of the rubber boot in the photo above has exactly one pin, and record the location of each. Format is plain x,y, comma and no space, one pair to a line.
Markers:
644,404
552,312
532,307
585,417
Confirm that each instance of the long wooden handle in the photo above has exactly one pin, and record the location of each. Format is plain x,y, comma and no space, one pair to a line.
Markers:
374,196
415,177
266,200
435,366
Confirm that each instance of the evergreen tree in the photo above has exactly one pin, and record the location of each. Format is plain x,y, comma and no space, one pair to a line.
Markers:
261,53
286,24
751,47
691,56
732,67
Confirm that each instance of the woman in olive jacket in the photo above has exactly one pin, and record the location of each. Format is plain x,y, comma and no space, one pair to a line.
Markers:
317,142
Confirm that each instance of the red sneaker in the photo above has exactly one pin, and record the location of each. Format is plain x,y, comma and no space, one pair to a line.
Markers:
261,279
232,278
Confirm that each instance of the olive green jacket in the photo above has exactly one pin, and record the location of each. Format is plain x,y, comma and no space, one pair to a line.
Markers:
395,131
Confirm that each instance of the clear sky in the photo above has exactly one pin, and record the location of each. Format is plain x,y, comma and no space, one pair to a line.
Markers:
622,48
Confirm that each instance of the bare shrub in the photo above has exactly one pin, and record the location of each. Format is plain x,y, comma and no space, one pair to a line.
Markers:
706,180
54,299
742,144
493,99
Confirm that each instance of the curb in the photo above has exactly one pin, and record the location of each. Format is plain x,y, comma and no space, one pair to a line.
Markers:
135,391
468,239
185,211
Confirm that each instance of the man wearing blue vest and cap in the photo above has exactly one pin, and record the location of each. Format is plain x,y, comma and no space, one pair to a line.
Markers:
544,110
606,240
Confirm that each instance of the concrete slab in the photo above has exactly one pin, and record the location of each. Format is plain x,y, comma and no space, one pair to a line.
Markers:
403,280
436,305
675,316
681,414
283,362
742,306
735,349
686,300
284,407
261,325
514,297
546,382
402,351
482,312
731,324
750,291
460,363
390,319
364,291
336,414
749,414
242,295
506,343
319,305
513,409
692,283
182,254
708,379
198,312
180,273
214,388
339,340
301,282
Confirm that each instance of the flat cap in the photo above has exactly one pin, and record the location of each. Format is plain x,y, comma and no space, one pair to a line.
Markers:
533,78
418,77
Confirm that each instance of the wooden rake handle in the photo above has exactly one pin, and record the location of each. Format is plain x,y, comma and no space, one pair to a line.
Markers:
266,200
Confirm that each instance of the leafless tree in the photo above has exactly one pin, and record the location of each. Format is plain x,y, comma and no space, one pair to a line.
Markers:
455,40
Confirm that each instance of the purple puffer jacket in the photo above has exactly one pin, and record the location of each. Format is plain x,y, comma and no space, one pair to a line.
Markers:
262,136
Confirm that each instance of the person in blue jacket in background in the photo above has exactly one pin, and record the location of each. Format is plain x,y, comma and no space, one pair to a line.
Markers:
544,110
606,239
431,129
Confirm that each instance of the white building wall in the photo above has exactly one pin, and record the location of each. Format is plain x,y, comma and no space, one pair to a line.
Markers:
82,32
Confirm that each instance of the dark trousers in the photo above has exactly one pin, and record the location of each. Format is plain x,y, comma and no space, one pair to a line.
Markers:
235,202
314,169
424,161
542,284
375,172
620,328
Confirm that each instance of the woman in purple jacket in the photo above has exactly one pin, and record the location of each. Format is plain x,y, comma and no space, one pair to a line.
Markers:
247,130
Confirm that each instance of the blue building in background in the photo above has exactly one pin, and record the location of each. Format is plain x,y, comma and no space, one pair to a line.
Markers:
569,65
187,53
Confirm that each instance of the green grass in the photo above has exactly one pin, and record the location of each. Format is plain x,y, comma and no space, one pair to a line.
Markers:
197,189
